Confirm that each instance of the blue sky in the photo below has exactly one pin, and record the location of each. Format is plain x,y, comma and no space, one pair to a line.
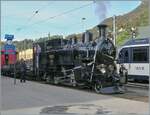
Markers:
19,14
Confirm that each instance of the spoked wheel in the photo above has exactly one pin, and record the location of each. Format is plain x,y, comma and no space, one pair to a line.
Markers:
49,79
55,81
98,86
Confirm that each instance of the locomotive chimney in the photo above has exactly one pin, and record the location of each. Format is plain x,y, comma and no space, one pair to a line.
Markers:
87,37
102,31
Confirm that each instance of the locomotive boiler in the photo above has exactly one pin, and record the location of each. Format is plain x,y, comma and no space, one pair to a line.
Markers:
87,63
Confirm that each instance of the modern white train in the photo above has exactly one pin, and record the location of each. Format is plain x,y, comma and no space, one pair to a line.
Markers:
135,56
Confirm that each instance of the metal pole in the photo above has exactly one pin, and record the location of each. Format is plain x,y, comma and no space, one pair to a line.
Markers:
49,35
114,29
149,53
15,71
37,66
14,74
83,23
24,51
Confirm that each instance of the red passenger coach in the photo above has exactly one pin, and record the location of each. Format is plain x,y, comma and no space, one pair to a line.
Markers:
8,56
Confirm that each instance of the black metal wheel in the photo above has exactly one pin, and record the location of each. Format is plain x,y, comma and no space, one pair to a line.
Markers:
56,81
49,79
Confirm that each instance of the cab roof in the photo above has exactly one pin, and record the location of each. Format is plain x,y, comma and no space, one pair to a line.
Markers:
137,41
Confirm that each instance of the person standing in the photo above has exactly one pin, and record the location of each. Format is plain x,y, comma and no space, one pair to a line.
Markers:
23,71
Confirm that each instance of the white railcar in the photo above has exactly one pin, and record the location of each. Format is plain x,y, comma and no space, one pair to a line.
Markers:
135,56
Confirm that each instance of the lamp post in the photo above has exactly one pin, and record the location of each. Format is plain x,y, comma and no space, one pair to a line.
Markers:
83,19
14,60
133,32
114,29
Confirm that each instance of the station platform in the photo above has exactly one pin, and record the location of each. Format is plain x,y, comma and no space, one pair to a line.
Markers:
32,98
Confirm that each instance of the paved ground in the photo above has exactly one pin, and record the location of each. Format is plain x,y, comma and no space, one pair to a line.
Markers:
32,94
32,98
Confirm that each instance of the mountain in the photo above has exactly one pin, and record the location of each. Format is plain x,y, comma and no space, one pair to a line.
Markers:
137,17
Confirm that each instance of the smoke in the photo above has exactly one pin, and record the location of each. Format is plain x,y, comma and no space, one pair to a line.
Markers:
101,9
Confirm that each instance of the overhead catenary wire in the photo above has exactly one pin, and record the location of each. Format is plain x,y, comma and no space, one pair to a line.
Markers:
33,15
58,15
38,10
29,19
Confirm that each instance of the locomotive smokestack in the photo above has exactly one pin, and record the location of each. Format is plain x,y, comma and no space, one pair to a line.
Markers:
87,37
102,31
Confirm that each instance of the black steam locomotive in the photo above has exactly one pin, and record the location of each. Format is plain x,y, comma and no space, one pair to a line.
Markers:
81,64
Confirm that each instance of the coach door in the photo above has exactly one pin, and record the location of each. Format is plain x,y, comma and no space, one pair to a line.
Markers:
124,58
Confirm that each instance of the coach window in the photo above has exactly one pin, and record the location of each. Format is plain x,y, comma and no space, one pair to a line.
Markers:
6,59
124,56
121,56
140,54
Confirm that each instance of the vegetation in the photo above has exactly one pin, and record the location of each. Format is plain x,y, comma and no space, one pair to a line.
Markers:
48,38
28,43
136,18
122,37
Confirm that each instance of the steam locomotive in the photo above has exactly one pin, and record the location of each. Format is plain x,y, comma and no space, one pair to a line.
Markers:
81,64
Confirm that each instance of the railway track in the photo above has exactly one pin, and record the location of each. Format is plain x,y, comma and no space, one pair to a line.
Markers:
129,84
138,85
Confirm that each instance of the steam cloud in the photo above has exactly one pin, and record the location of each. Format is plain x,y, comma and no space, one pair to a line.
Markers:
101,9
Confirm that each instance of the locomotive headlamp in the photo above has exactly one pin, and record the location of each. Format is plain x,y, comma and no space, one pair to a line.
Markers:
103,70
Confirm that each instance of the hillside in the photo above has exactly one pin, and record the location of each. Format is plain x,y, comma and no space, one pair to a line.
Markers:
28,43
137,17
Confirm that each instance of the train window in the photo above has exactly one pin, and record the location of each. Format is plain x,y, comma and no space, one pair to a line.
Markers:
2,52
120,60
140,54
6,59
126,53
124,56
